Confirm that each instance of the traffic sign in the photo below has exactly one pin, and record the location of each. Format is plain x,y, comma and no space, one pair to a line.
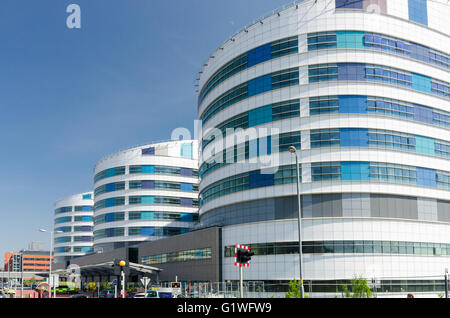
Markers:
176,285
115,282
242,255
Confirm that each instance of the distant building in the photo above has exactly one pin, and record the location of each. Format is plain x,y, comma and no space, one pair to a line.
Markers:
36,246
145,193
33,261
73,226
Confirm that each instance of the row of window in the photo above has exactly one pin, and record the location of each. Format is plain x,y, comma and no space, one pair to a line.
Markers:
71,219
249,180
181,256
368,40
258,116
69,239
333,137
325,40
329,171
77,208
146,200
371,72
146,216
259,85
140,231
147,184
354,247
327,72
253,57
250,149
345,104
75,249
146,169
335,286
36,259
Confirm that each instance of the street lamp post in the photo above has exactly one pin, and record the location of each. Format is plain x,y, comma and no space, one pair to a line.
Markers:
50,267
293,150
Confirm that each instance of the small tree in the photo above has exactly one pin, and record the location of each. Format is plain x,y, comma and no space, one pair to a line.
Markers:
360,289
294,289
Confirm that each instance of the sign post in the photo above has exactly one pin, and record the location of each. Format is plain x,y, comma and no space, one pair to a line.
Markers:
145,281
115,288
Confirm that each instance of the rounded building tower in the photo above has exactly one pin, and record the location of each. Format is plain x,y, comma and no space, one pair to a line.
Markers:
145,193
361,88
73,235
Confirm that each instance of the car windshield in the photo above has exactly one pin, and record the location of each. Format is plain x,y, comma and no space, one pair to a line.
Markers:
151,294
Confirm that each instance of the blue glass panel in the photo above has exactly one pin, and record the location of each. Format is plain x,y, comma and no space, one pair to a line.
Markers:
147,215
147,200
351,72
421,83
426,177
110,172
148,151
186,187
148,169
110,202
258,180
418,11
425,145
147,184
110,187
355,171
186,150
109,217
260,116
148,231
259,55
186,202
87,196
186,217
354,137
186,172
86,208
349,4
350,39
260,85
420,52
423,114
352,104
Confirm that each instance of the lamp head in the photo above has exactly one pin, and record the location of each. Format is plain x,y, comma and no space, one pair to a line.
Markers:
122,263
292,149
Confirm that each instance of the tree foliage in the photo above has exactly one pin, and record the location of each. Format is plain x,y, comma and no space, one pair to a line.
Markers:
294,290
360,289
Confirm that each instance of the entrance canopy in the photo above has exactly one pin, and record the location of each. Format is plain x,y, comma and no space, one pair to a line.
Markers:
107,269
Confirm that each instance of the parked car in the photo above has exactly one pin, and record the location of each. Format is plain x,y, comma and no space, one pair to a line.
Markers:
152,294
129,294
79,296
139,295
106,294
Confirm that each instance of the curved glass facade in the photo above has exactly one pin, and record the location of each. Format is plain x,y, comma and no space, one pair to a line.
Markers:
145,193
73,226
365,100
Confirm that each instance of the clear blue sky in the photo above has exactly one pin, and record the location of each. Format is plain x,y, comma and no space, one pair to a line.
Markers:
70,97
